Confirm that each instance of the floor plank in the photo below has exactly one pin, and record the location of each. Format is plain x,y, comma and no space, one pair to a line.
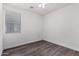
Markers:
40,48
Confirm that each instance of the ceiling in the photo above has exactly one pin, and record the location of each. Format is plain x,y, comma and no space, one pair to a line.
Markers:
33,7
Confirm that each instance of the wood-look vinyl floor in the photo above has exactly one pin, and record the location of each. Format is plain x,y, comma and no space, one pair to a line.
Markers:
40,48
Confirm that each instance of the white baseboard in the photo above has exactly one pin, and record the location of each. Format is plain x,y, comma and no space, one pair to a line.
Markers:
67,46
21,44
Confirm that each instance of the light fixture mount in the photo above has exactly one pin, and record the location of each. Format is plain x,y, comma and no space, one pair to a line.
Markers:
42,5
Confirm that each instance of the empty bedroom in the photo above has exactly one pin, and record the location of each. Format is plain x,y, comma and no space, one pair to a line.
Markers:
39,29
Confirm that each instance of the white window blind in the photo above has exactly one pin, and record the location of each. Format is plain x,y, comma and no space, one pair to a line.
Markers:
13,22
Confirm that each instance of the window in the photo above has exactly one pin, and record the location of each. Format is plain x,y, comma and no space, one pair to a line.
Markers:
13,22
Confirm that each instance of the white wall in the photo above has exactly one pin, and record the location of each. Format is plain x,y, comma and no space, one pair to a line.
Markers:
31,27
1,16
62,27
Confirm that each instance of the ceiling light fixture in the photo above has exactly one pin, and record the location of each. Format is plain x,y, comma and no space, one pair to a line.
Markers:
42,5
